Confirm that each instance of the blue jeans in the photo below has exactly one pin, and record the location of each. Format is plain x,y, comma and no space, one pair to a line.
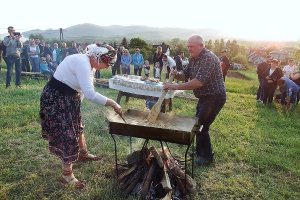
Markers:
35,63
260,90
208,108
10,63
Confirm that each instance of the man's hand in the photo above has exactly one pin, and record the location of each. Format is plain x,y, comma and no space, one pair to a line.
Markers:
169,86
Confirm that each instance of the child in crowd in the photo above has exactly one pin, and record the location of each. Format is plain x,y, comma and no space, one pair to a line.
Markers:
146,68
44,67
157,70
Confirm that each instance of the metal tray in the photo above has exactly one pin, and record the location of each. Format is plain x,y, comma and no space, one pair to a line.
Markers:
168,128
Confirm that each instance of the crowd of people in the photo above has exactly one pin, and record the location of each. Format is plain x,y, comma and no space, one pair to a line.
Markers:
37,56
287,81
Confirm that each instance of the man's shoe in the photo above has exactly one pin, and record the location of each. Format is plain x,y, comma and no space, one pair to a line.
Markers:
19,86
202,161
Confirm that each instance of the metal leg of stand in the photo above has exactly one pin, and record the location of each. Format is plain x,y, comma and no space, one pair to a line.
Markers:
116,155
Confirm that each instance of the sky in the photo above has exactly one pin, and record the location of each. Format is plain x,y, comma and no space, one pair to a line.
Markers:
272,20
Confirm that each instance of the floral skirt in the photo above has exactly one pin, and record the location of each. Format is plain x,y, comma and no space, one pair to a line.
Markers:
61,123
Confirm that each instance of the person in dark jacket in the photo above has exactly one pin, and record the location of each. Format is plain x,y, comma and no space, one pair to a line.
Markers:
178,60
47,50
117,65
271,76
25,59
261,68
224,63
157,57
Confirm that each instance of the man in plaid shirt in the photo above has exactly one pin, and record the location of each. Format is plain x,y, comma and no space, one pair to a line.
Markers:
207,83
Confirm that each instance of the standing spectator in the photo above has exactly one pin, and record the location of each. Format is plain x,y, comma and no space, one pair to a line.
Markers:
178,60
37,41
42,48
25,59
56,54
117,65
64,50
122,48
45,68
289,68
208,86
33,51
157,57
1,53
147,68
157,70
168,64
72,50
225,65
261,68
13,46
271,76
125,61
3,50
289,92
47,50
138,61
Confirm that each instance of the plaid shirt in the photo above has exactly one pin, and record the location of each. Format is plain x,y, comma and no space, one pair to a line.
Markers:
206,68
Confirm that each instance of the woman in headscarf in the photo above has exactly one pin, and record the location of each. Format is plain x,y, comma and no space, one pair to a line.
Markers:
60,106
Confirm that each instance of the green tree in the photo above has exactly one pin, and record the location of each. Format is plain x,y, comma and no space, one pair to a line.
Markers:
209,45
40,36
124,43
138,43
216,48
175,42
296,53
239,58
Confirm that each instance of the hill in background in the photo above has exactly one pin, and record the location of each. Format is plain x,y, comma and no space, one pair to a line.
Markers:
92,32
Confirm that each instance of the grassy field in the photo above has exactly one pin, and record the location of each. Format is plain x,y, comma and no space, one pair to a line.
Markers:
257,148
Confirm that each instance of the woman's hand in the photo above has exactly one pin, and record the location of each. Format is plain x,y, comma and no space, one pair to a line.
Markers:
117,108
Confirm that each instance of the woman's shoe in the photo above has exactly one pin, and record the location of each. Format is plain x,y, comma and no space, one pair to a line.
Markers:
69,178
86,156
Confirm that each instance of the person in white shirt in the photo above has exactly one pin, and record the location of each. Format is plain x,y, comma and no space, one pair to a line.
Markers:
60,106
289,68
168,64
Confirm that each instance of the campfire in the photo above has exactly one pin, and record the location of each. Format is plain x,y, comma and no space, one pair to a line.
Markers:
153,174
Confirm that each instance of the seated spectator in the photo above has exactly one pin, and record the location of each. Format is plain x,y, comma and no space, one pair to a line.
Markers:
146,68
295,76
45,68
52,65
289,91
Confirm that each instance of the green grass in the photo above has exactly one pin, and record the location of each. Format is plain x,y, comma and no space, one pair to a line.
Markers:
257,148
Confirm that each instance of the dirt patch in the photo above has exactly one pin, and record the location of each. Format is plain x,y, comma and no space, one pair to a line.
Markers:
237,75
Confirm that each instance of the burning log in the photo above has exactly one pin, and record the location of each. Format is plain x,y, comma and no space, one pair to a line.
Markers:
190,183
126,173
156,156
148,179
168,196
165,182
